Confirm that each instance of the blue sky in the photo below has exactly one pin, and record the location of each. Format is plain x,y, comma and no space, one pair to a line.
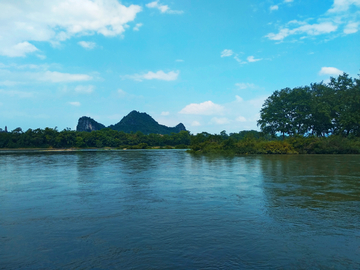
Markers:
207,64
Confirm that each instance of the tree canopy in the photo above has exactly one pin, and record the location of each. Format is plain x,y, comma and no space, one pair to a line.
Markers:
319,109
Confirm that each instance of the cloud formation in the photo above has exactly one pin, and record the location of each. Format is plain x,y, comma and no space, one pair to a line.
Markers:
226,53
22,22
75,103
137,26
241,119
121,93
205,108
330,71
251,59
339,16
163,8
351,28
15,74
243,86
87,45
57,77
84,89
159,75
304,28
220,120
18,94
343,5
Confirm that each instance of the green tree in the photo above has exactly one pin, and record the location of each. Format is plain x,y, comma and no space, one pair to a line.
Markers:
286,111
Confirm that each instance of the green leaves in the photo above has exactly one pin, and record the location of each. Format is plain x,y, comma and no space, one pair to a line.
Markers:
317,110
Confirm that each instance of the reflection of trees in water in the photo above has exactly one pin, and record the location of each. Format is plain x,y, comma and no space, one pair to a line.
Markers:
313,182
244,165
124,176
96,165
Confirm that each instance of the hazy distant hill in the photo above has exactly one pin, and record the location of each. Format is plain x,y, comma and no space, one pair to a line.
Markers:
133,122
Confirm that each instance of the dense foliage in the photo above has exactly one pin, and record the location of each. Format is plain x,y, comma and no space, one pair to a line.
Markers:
253,142
319,109
316,119
52,138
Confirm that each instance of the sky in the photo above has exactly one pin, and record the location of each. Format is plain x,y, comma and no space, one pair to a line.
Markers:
207,64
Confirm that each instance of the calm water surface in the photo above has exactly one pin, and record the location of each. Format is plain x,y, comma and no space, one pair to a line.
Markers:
167,209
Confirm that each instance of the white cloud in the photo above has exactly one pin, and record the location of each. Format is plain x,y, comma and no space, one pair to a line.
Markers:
252,59
8,83
236,115
274,7
17,50
305,28
257,102
165,113
226,53
84,89
23,21
179,60
137,26
241,119
56,77
283,33
351,28
20,74
239,60
343,5
330,71
288,1
163,8
41,56
75,103
159,75
243,86
238,99
340,14
87,44
19,94
220,121
205,108
121,93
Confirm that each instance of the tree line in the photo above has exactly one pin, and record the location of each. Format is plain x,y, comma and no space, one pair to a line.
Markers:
52,138
318,110
316,119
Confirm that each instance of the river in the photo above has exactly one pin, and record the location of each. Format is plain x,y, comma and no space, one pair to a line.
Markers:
167,209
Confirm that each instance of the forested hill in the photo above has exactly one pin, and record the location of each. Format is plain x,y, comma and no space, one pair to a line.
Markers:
133,122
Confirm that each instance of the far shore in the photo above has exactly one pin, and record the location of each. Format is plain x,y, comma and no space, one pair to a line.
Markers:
72,149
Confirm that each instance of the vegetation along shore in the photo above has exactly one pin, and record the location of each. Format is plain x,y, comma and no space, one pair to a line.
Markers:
316,119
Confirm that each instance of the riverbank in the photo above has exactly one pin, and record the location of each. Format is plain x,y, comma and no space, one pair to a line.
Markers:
73,149
290,145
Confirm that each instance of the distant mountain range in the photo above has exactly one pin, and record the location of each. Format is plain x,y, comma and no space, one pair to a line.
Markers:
133,122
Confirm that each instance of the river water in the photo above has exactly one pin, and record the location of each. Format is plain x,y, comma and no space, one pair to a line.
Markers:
167,209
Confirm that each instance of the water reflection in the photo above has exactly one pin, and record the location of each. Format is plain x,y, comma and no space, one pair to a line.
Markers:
323,191
314,180
168,209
